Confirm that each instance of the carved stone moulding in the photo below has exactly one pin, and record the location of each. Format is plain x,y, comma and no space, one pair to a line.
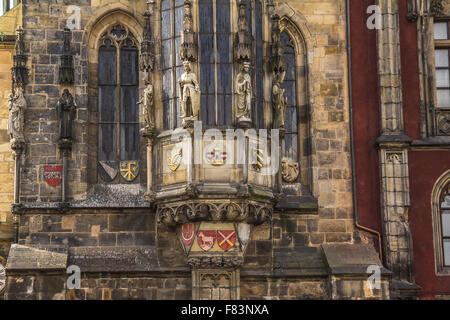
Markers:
443,123
251,212
215,261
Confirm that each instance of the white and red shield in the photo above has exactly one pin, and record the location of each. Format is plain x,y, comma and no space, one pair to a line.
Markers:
187,233
53,175
226,239
206,239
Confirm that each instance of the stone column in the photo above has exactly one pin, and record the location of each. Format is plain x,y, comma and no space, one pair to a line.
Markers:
393,152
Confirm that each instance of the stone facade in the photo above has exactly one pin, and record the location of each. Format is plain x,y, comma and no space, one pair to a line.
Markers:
124,249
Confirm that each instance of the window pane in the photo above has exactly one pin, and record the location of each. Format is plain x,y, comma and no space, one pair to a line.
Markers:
129,72
441,57
223,17
291,120
178,21
166,24
442,78
107,134
168,115
447,252
440,31
446,203
207,78
446,224
166,54
107,104
107,66
206,48
443,98
129,141
206,17
167,84
165,4
129,109
223,48
224,79
290,146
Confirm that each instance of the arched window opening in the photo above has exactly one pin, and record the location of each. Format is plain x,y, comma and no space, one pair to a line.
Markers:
118,90
444,208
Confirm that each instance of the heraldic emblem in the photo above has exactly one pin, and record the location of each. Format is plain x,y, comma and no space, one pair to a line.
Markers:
206,239
188,233
53,175
129,170
226,239
258,159
174,158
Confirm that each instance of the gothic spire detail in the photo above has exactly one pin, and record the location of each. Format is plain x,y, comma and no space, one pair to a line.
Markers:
188,48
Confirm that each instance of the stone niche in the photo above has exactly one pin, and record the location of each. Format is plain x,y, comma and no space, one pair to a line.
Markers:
212,192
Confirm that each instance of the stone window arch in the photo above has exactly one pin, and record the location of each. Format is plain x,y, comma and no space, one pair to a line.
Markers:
297,43
441,223
113,46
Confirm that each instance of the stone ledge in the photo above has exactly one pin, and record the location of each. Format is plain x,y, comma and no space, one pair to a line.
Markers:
24,258
305,204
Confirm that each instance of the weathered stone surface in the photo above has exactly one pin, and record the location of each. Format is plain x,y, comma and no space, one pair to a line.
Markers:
29,258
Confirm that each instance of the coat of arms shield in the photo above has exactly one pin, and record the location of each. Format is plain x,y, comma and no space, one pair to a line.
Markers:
188,233
129,170
53,175
226,239
206,239
174,158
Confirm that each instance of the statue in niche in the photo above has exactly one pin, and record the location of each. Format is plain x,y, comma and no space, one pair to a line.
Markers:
17,106
147,103
279,101
189,91
66,110
244,95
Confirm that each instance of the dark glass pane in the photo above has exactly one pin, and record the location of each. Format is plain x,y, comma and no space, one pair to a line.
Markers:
206,17
129,141
259,114
107,142
223,17
224,79
107,66
208,113
129,72
289,86
223,48
290,66
107,103
290,146
291,120
167,84
228,110
207,78
225,110
249,15
259,84
179,3
166,54
166,24
168,115
179,21
206,48
129,108
166,4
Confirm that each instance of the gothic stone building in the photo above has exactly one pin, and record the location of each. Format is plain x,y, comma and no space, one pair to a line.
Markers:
116,113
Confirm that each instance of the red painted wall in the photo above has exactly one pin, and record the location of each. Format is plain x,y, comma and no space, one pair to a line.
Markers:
426,166
365,114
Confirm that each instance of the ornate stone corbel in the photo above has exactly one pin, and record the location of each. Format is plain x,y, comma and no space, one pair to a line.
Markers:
243,39
188,47
413,13
19,70
66,69
147,54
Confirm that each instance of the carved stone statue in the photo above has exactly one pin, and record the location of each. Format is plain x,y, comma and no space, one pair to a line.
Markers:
147,102
289,170
279,101
66,110
17,106
189,91
244,95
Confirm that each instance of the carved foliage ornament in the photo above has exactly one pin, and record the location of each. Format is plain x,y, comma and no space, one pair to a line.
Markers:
191,211
416,8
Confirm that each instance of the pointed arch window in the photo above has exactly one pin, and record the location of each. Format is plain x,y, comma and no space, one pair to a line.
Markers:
118,86
444,203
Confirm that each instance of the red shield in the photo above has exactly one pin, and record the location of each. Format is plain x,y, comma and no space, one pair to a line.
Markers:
226,239
53,175
187,233
206,239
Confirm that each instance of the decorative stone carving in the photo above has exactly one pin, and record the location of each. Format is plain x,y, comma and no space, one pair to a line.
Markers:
277,60
418,8
436,7
66,111
279,101
289,170
215,261
17,106
19,70
189,92
147,107
244,95
251,212
443,122
147,54
243,39
66,70
188,48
